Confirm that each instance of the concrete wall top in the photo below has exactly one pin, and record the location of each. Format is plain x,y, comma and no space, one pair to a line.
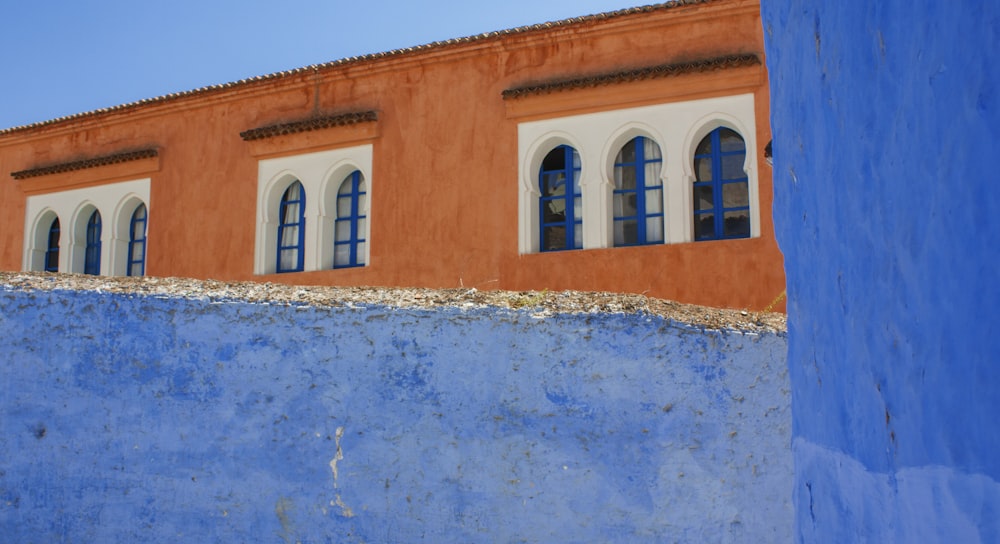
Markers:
539,303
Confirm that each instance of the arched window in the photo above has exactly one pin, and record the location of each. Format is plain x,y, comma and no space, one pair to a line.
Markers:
137,243
560,207
291,229
349,228
92,256
52,248
638,194
721,192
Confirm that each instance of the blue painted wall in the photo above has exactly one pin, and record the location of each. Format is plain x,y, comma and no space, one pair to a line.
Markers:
886,122
132,418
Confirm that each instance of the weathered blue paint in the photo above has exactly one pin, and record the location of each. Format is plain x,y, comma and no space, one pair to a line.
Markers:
156,419
886,124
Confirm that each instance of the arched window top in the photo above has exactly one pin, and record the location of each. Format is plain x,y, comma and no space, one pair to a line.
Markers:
92,255
291,229
638,193
350,225
52,247
721,192
560,206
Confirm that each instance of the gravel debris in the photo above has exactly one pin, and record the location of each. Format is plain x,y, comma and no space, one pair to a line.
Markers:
537,303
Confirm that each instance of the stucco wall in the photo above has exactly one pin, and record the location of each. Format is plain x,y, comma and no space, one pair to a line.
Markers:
444,168
885,119
155,418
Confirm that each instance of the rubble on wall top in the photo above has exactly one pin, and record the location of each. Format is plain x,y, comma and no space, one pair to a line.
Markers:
537,303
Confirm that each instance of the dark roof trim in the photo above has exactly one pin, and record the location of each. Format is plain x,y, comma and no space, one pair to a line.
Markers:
362,59
86,163
652,72
306,125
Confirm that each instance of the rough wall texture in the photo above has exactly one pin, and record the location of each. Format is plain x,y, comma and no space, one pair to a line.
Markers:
151,418
886,122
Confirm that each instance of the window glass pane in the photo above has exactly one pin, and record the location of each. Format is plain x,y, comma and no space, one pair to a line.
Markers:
704,226
576,159
555,160
625,177
652,174
703,169
344,206
629,230
289,236
732,166
729,140
554,210
703,197
54,234
628,205
289,259
135,251
651,149
346,186
735,195
627,152
578,236
654,201
362,247
624,205
554,184
342,231
553,238
577,208
737,223
362,203
342,255
618,205
362,226
619,233
705,146
654,229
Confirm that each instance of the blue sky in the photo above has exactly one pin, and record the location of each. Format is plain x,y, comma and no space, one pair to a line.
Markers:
60,57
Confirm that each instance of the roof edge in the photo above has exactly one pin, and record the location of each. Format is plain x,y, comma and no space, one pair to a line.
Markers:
650,72
309,124
356,60
83,164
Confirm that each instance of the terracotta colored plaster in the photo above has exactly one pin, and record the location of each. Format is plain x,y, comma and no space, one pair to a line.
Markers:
445,199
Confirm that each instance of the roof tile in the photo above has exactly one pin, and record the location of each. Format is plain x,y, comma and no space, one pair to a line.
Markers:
85,163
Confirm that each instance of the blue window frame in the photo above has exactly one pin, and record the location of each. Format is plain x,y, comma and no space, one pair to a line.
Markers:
92,257
721,190
350,225
560,207
292,229
137,243
52,249
638,194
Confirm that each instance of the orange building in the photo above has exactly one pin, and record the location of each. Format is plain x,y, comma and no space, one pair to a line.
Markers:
613,152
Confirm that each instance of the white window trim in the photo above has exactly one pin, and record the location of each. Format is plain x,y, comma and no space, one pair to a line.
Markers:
115,201
677,127
320,174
